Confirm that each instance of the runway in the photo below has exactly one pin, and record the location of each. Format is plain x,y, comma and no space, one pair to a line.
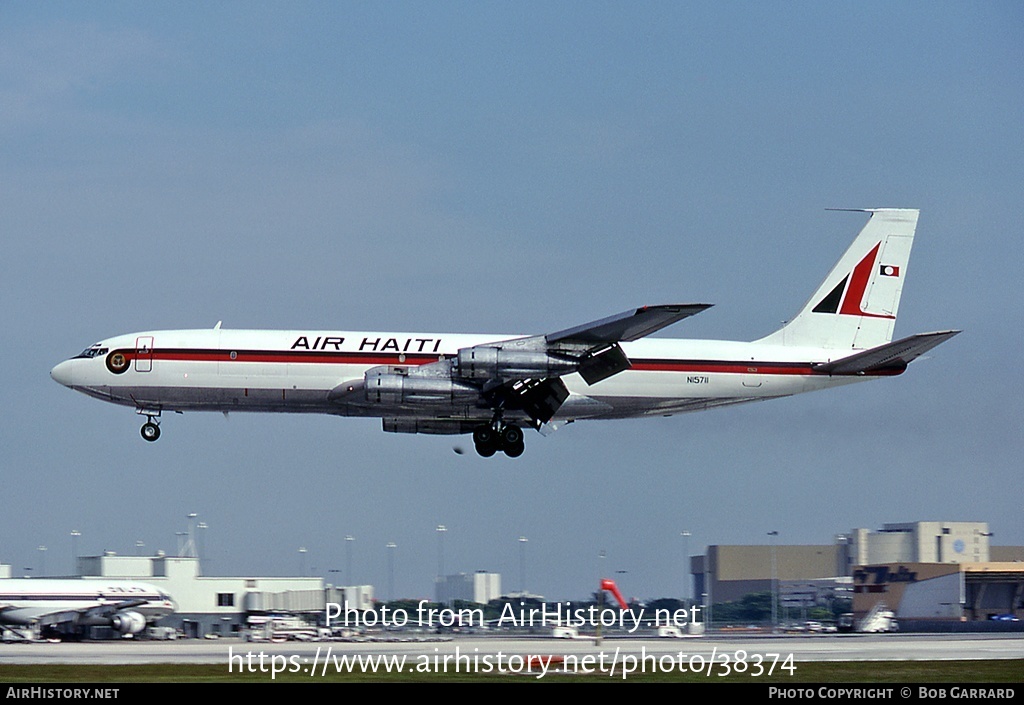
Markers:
734,649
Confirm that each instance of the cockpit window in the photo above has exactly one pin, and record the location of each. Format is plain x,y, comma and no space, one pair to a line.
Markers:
93,351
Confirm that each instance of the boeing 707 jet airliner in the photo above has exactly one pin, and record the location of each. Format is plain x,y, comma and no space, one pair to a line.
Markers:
495,385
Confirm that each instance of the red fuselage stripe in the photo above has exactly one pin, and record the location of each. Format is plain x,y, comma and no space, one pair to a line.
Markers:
373,358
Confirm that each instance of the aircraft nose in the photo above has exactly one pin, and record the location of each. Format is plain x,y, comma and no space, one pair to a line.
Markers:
63,373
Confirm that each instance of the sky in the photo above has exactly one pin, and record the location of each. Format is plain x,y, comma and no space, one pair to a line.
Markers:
502,167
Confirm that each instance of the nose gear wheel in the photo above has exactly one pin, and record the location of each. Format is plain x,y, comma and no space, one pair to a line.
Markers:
150,431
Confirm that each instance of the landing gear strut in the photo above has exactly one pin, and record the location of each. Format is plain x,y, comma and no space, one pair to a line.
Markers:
497,435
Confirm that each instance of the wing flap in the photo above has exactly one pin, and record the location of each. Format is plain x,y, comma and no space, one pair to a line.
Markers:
897,354
603,363
540,399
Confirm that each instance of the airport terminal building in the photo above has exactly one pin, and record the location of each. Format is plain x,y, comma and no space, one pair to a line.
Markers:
223,606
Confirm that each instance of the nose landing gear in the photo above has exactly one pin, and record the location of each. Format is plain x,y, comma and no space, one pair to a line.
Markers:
151,429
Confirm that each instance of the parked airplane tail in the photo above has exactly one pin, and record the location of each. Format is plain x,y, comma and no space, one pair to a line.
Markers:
855,306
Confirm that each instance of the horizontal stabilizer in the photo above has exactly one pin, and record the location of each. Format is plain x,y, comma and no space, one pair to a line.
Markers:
897,354
627,326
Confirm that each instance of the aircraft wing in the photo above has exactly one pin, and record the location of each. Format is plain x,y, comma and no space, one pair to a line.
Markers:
116,615
103,611
628,325
525,373
521,374
897,354
21,613
47,616
592,349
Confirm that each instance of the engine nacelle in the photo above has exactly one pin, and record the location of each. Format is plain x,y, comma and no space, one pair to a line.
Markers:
128,622
387,387
484,363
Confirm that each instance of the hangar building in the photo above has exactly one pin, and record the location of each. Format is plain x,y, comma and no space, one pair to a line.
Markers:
921,570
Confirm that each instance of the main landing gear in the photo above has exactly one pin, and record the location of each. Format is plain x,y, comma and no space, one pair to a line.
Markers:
495,436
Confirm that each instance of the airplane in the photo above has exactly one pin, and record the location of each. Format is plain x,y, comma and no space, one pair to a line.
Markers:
493,386
62,608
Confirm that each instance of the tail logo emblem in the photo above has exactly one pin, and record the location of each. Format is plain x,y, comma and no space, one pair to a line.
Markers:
846,300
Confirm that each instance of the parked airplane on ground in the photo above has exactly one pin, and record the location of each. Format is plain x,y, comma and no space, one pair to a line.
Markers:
64,607
494,385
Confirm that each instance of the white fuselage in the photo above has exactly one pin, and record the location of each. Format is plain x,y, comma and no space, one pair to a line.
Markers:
26,600
295,371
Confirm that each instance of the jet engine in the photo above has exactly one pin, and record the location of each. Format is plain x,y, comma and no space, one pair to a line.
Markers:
387,386
128,622
485,363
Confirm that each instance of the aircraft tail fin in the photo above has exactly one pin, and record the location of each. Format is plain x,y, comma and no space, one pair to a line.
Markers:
855,306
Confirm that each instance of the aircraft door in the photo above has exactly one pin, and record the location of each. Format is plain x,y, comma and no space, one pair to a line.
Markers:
144,353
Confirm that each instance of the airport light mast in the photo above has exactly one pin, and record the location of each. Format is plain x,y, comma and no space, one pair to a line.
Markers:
441,531
348,559
686,564
391,569
522,564
772,535
75,533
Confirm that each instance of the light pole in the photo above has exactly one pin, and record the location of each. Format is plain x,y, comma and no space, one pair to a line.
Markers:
686,565
709,593
75,533
190,547
707,615
200,547
391,569
348,559
302,560
42,561
601,555
775,583
522,564
441,531
440,589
